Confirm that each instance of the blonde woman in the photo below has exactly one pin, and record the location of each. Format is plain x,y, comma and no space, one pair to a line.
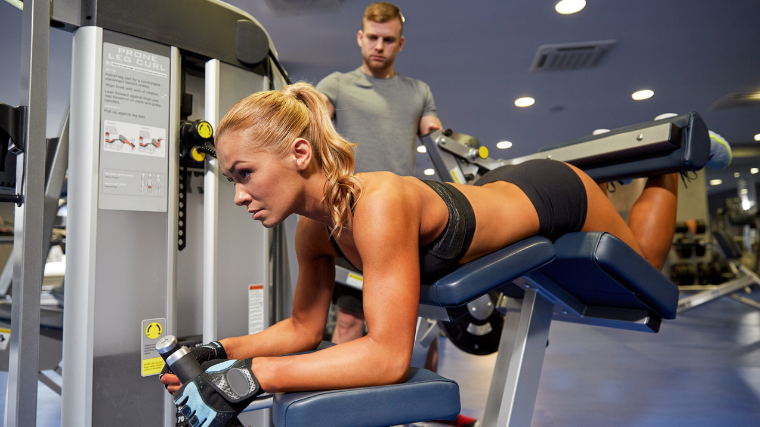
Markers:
280,150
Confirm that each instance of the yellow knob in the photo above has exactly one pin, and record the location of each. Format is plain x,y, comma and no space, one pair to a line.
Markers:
197,155
483,152
205,130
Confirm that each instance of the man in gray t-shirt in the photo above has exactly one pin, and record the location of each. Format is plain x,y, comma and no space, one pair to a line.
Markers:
382,115
380,110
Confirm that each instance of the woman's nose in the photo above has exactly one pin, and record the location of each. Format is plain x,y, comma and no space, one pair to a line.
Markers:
242,198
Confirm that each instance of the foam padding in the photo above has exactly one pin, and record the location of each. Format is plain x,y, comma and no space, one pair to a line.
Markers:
488,272
423,396
601,270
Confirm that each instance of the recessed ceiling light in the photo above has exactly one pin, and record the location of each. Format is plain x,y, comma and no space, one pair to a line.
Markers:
754,171
736,174
642,94
421,149
525,102
429,172
503,144
716,182
757,137
665,116
600,131
570,6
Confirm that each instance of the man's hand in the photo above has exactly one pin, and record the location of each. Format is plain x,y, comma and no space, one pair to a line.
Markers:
429,124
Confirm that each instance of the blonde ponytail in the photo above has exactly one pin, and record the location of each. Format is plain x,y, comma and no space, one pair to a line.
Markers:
274,119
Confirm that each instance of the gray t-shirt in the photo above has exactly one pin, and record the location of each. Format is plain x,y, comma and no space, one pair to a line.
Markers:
381,116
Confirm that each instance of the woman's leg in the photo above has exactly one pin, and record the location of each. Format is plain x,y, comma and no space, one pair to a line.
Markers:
653,217
652,220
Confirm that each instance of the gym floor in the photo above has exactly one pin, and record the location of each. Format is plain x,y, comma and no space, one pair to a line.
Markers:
701,370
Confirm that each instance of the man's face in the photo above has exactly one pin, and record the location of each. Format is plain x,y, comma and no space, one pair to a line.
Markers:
380,42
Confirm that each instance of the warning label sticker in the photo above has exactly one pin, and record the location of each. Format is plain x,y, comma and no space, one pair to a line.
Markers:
151,331
152,366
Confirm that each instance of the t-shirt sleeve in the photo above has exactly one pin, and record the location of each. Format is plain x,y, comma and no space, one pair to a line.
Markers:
329,86
429,105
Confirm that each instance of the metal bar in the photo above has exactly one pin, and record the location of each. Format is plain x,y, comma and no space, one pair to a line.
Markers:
750,302
58,165
48,382
211,207
81,227
21,398
729,287
654,139
172,211
512,395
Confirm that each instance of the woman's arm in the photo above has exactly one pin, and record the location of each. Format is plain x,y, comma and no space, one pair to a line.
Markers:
302,331
386,233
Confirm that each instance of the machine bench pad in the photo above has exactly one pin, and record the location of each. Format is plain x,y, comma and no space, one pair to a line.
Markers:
423,396
601,270
487,273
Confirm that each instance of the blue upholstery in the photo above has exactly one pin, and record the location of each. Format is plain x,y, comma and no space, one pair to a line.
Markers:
486,273
424,396
600,270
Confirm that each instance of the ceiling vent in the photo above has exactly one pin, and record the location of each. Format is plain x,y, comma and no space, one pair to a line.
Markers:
737,100
570,56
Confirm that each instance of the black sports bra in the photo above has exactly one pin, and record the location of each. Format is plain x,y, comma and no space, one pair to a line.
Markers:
441,256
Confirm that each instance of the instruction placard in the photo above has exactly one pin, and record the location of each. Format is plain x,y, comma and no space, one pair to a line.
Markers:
255,309
134,146
151,330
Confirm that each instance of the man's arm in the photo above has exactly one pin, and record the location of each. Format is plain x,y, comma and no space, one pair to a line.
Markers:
429,124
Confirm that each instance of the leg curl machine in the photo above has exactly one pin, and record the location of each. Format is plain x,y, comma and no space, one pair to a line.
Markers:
589,278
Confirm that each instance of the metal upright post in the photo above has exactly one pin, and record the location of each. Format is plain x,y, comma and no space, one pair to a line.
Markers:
28,263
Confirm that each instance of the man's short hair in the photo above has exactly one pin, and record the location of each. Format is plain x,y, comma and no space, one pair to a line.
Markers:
381,12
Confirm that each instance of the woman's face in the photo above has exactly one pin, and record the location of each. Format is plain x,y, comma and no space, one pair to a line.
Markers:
265,183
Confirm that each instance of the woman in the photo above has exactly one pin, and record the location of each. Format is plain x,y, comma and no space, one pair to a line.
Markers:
284,157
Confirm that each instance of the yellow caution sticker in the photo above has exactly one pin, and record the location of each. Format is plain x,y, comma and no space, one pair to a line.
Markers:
153,331
205,130
355,280
152,366
483,152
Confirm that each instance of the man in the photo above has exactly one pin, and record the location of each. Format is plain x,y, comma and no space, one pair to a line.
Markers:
379,109
384,113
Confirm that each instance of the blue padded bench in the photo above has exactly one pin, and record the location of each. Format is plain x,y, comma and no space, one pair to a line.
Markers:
591,278
423,396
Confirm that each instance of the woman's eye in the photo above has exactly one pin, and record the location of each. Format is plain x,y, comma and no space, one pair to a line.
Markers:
244,174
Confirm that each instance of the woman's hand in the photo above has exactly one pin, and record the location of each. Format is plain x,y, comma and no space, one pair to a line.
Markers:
171,382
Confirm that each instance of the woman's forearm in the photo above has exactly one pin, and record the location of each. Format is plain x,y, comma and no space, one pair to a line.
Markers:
286,337
362,362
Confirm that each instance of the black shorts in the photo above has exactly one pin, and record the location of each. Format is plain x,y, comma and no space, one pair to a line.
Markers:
556,191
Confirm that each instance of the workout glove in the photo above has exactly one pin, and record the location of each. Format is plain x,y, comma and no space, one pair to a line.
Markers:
202,353
215,397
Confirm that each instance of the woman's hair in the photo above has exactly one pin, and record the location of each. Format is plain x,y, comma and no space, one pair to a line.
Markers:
272,120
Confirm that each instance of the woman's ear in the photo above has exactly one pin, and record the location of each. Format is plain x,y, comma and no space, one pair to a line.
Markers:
301,151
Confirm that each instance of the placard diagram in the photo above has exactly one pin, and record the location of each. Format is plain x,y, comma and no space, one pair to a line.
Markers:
130,138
